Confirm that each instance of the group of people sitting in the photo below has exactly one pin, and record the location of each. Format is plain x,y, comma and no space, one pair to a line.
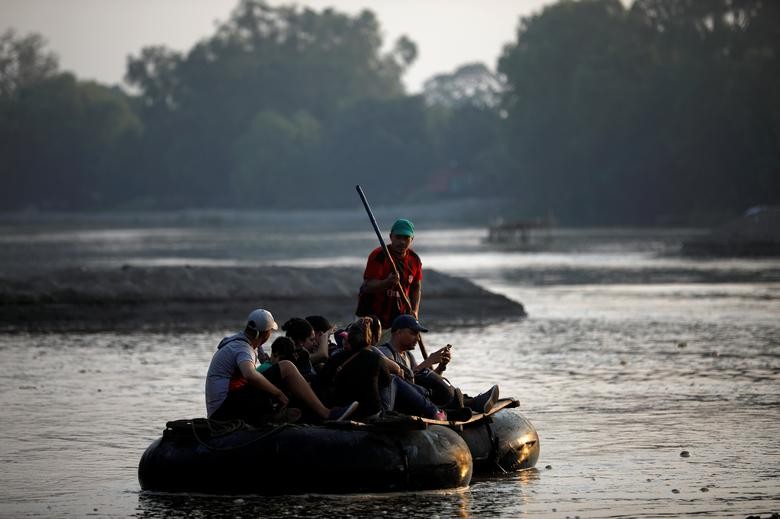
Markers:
317,373
358,374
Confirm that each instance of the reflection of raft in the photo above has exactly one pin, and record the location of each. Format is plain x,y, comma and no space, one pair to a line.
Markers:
398,455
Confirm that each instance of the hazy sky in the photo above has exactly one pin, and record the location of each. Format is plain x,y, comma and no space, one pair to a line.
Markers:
93,37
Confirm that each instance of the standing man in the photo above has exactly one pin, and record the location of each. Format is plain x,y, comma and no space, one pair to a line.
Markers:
380,294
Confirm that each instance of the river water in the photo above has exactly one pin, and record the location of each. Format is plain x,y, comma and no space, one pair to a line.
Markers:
630,356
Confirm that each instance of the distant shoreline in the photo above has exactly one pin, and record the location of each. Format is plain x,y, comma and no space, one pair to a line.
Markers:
199,298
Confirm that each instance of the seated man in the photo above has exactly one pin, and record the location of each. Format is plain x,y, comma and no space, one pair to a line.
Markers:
405,331
364,374
235,390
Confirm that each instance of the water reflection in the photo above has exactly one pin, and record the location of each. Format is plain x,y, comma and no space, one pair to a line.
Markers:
505,496
456,503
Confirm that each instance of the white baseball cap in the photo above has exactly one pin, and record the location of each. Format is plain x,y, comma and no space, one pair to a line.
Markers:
261,320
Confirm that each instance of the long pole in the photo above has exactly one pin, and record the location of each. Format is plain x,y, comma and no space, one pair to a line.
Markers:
390,259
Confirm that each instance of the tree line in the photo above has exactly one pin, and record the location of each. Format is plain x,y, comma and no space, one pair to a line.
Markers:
658,112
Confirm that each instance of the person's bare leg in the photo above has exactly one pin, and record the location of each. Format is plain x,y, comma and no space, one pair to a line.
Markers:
298,387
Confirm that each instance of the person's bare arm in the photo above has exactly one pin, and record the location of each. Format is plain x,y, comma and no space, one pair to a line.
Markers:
256,379
415,292
393,367
380,285
321,353
439,358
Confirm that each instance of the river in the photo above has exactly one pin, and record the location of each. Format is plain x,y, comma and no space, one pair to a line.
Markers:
631,356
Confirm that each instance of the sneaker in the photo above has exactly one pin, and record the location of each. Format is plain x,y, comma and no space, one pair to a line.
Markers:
339,414
484,402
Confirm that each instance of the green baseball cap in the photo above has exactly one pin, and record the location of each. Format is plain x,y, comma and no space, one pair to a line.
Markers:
403,227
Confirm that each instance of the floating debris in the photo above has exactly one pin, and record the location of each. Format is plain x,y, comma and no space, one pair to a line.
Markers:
675,491
548,467
682,344
685,454
704,489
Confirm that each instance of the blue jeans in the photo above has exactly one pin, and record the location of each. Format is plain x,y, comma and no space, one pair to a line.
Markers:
440,391
407,398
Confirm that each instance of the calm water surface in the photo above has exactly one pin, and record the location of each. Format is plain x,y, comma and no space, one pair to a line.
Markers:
630,356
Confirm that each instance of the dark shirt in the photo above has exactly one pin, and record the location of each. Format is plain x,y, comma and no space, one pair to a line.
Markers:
405,360
350,376
303,363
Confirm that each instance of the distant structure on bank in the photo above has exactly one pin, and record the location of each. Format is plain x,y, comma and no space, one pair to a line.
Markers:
755,233
523,234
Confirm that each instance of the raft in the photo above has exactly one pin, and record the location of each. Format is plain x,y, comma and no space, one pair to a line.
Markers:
395,455
334,458
501,441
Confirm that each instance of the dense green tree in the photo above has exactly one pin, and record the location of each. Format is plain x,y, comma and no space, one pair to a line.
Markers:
465,123
298,69
561,111
61,138
277,154
384,144
645,114
660,111
23,62
471,84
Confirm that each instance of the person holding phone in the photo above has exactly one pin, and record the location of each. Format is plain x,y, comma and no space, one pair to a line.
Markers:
405,333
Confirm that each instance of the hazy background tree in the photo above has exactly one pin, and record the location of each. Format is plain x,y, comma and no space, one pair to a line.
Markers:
23,62
599,112
659,113
251,101
61,140
472,84
465,119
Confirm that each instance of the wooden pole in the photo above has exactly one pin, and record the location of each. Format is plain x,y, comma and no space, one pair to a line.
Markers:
390,259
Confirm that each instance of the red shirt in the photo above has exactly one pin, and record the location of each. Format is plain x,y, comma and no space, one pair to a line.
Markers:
388,304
